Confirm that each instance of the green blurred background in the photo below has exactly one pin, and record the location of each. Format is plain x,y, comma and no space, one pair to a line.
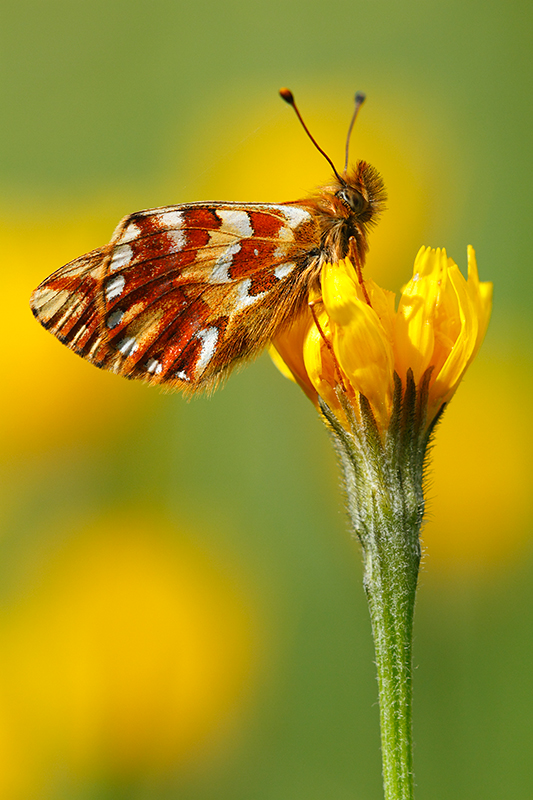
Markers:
181,606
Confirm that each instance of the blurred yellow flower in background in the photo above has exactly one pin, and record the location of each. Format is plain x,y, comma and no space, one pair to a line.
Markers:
480,496
130,653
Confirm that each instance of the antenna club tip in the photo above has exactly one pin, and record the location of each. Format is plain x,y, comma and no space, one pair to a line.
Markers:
360,98
287,95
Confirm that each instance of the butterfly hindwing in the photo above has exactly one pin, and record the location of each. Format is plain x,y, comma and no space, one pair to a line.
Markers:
184,292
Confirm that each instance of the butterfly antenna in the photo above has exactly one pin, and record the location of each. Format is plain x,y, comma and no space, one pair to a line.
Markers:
360,98
288,96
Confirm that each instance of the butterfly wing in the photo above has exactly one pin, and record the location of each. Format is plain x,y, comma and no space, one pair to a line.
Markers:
183,293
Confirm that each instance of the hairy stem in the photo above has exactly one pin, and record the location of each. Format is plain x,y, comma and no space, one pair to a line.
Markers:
390,584
383,475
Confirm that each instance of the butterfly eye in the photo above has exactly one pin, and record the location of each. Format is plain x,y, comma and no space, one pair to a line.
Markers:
353,199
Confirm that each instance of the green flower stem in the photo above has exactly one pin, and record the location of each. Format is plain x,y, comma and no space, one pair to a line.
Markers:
390,583
383,479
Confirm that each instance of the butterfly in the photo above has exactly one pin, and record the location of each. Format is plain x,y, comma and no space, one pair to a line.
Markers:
182,294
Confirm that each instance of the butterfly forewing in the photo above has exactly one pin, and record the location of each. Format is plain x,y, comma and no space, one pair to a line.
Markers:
184,292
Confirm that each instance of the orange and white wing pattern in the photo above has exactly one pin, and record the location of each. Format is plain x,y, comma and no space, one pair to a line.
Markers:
183,293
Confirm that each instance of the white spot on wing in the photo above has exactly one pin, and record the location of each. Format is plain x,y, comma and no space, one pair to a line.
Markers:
235,221
131,232
114,287
122,256
283,270
220,272
243,299
182,375
114,318
294,215
169,219
154,366
128,345
177,238
209,338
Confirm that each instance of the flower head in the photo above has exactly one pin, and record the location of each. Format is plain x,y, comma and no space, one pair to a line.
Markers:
354,341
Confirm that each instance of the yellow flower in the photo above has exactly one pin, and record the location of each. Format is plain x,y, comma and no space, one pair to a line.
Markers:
354,340
381,376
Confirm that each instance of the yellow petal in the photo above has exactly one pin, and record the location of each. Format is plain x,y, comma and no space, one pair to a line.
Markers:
277,358
287,354
361,344
414,331
383,302
340,291
324,374
451,372
481,294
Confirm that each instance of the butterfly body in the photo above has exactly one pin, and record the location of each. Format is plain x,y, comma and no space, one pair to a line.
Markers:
184,293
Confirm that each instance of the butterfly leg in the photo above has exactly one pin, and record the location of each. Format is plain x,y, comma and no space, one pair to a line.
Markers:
312,304
354,256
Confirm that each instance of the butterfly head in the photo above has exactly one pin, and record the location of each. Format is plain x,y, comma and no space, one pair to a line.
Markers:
363,193
352,205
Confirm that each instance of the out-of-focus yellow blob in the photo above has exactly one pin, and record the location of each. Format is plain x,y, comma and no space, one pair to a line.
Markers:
480,498
128,656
